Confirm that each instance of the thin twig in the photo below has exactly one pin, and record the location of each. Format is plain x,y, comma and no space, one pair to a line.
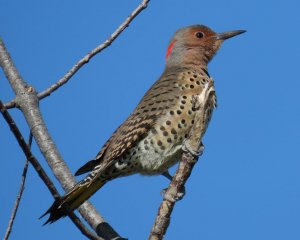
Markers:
19,196
41,172
176,188
89,56
95,51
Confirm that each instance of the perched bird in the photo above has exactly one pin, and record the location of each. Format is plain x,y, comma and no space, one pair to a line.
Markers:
150,141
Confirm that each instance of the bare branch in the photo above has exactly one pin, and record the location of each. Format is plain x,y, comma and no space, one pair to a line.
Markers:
192,148
174,190
19,196
26,98
41,171
47,92
92,53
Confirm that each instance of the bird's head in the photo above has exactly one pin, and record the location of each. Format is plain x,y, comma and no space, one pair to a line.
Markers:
196,44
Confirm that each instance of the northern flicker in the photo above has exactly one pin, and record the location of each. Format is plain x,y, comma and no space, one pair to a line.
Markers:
151,140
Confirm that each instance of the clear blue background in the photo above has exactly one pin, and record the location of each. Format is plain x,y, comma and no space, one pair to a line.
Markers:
247,183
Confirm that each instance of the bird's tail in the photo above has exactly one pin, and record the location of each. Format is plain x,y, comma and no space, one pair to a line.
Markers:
72,199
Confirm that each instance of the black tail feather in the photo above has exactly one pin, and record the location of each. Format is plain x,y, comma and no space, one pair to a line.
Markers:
89,166
56,211
72,199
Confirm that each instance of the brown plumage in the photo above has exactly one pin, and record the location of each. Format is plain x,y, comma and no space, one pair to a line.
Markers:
150,141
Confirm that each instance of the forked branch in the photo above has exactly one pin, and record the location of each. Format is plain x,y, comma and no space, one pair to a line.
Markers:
30,157
87,57
27,99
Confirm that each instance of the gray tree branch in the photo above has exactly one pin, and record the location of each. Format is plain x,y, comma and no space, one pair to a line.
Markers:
27,99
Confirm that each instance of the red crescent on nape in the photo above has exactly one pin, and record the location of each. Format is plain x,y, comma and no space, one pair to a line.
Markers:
170,49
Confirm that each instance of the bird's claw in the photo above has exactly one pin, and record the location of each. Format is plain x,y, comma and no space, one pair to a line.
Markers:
173,197
186,147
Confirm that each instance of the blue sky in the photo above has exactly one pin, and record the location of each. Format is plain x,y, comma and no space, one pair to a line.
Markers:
247,183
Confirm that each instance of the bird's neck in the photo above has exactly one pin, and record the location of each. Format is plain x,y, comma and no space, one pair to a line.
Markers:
198,66
189,57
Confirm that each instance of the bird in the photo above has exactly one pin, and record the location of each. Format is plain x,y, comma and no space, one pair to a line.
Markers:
151,139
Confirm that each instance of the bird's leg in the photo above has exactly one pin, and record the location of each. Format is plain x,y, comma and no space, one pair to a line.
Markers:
167,175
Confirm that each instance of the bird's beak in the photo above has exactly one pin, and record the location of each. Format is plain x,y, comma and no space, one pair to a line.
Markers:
226,35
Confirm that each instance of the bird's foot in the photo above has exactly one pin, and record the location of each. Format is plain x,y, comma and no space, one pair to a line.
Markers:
186,147
173,196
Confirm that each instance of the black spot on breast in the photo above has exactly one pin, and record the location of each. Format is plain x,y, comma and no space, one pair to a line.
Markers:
173,131
162,128
159,143
153,130
165,133
168,122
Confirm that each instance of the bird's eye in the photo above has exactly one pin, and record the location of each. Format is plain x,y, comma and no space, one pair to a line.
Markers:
199,34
